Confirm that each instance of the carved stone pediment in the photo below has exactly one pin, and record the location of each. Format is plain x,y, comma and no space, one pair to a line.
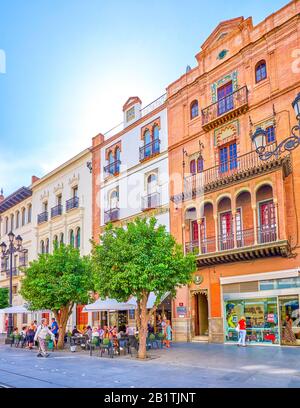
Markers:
58,188
44,195
74,180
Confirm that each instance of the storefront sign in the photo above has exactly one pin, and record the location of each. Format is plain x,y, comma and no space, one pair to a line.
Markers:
181,311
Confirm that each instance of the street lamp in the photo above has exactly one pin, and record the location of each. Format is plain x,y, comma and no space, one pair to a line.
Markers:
9,251
259,137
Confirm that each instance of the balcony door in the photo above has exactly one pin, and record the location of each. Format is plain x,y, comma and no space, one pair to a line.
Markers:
225,98
267,222
226,238
228,158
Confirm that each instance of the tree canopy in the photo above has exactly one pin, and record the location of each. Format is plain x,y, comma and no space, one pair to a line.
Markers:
142,257
4,300
57,281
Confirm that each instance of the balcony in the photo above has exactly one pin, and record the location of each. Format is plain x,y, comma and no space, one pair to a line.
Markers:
43,217
231,172
72,203
111,215
6,273
244,246
112,169
150,201
225,109
150,150
56,211
23,260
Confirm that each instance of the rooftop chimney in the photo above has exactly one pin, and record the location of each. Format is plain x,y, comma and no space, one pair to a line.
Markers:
34,179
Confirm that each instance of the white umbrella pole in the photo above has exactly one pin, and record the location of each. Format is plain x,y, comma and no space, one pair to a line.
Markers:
108,318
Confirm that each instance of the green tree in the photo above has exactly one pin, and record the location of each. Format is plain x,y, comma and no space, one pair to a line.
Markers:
137,260
56,282
4,301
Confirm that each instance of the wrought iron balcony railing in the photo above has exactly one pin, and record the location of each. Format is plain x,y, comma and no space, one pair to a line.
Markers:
227,107
43,217
112,169
72,203
56,211
150,201
245,238
227,172
111,215
150,150
15,272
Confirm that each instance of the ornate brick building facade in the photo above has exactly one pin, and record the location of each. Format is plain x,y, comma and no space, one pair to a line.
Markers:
237,213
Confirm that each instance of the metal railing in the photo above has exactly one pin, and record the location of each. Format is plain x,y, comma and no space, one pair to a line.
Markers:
230,102
111,215
194,184
150,201
43,217
150,149
15,272
243,239
112,169
72,203
56,211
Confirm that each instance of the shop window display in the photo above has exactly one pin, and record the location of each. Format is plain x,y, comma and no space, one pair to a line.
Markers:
261,320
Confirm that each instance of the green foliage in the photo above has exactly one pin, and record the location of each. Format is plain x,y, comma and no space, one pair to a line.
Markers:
4,300
57,280
139,259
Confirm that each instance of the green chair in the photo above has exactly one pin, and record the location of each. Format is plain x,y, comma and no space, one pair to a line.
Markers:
106,345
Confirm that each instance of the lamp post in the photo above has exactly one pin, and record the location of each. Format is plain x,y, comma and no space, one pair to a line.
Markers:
15,245
259,137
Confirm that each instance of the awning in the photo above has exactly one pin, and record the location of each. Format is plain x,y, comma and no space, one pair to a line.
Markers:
15,310
20,310
151,300
107,305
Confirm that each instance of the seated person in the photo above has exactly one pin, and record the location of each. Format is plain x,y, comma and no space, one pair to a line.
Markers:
75,331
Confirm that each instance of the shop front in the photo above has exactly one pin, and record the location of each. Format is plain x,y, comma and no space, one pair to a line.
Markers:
270,306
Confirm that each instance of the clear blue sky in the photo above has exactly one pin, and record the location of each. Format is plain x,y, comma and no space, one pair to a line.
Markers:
71,65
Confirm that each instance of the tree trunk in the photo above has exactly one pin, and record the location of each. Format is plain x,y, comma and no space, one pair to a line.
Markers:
143,330
62,320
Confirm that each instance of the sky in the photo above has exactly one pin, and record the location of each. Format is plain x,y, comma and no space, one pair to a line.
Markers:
70,65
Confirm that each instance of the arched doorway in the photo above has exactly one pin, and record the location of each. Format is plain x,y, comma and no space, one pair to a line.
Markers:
200,306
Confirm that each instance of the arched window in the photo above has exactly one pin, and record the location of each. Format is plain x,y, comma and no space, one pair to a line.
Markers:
151,184
200,164
42,247
17,219
23,212
114,199
260,71
156,140
155,132
47,246
147,143
193,166
194,109
61,238
117,157
110,157
29,213
12,222
55,241
71,240
77,244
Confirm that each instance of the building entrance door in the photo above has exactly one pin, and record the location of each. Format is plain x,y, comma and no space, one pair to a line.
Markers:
201,314
289,320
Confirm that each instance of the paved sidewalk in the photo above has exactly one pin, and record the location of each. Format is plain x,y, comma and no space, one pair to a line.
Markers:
184,365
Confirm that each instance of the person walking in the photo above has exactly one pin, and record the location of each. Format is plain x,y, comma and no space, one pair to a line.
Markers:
42,332
242,331
169,331
30,335
288,335
55,329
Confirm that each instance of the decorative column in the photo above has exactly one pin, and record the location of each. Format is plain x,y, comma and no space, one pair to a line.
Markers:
216,230
276,217
199,236
254,224
183,238
234,227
